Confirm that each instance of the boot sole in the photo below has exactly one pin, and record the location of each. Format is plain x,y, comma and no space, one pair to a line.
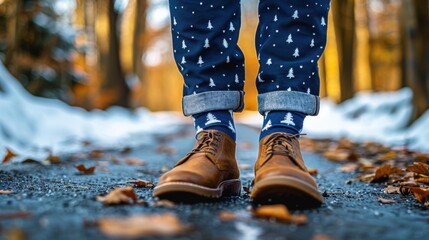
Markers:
292,192
190,192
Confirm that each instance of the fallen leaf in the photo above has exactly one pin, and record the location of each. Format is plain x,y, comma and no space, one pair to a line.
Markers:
340,155
124,195
349,167
15,215
96,153
16,234
159,225
244,145
385,201
134,161
422,157
279,212
142,183
321,236
422,195
312,171
392,189
383,172
166,149
244,166
226,216
421,179
6,191
82,169
246,190
9,155
387,156
419,168
164,203
53,158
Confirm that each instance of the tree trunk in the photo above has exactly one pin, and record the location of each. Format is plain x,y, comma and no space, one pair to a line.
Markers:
344,23
113,87
415,19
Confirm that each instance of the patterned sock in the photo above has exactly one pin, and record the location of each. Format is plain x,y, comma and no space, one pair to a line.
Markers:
215,120
282,121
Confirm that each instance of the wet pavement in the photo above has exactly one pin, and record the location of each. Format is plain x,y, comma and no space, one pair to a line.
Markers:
56,202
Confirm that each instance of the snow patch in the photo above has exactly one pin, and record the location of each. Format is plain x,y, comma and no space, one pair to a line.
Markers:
35,127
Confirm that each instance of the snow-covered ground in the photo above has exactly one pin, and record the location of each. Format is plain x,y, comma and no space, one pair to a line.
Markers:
33,127
380,117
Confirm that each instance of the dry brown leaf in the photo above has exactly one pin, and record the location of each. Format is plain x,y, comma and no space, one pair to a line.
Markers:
246,190
244,166
424,180
392,190
244,145
340,155
53,158
419,168
124,195
142,183
6,191
9,155
385,201
279,212
387,156
160,225
164,203
96,153
321,236
383,172
82,169
166,149
349,167
421,194
15,215
134,161
226,216
313,171
422,157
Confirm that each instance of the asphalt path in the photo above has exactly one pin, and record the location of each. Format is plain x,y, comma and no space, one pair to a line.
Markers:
56,202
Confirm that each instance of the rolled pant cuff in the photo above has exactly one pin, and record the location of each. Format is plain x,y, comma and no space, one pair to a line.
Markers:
289,101
213,100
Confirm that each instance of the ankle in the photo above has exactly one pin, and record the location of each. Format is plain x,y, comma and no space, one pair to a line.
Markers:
215,120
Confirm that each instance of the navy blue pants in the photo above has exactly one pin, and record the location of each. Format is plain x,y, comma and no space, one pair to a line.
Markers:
290,38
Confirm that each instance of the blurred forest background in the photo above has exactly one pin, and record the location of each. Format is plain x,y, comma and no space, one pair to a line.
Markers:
99,53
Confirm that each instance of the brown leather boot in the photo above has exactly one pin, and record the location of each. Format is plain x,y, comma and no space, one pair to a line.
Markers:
281,175
208,171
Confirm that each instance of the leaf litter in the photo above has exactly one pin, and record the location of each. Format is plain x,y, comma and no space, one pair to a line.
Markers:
401,170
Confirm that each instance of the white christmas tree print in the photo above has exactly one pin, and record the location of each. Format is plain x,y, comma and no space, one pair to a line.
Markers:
231,27
230,126
288,119
290,74
199,129
225,43
296,53
289,39
295,14
275,18
212,84
211,119
312,43
259,77
200,60
206,43
266,114
323,22
267,126
174,21
227,59
183,60
308,90
184,44
209,25
289,89
236,78
269,62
